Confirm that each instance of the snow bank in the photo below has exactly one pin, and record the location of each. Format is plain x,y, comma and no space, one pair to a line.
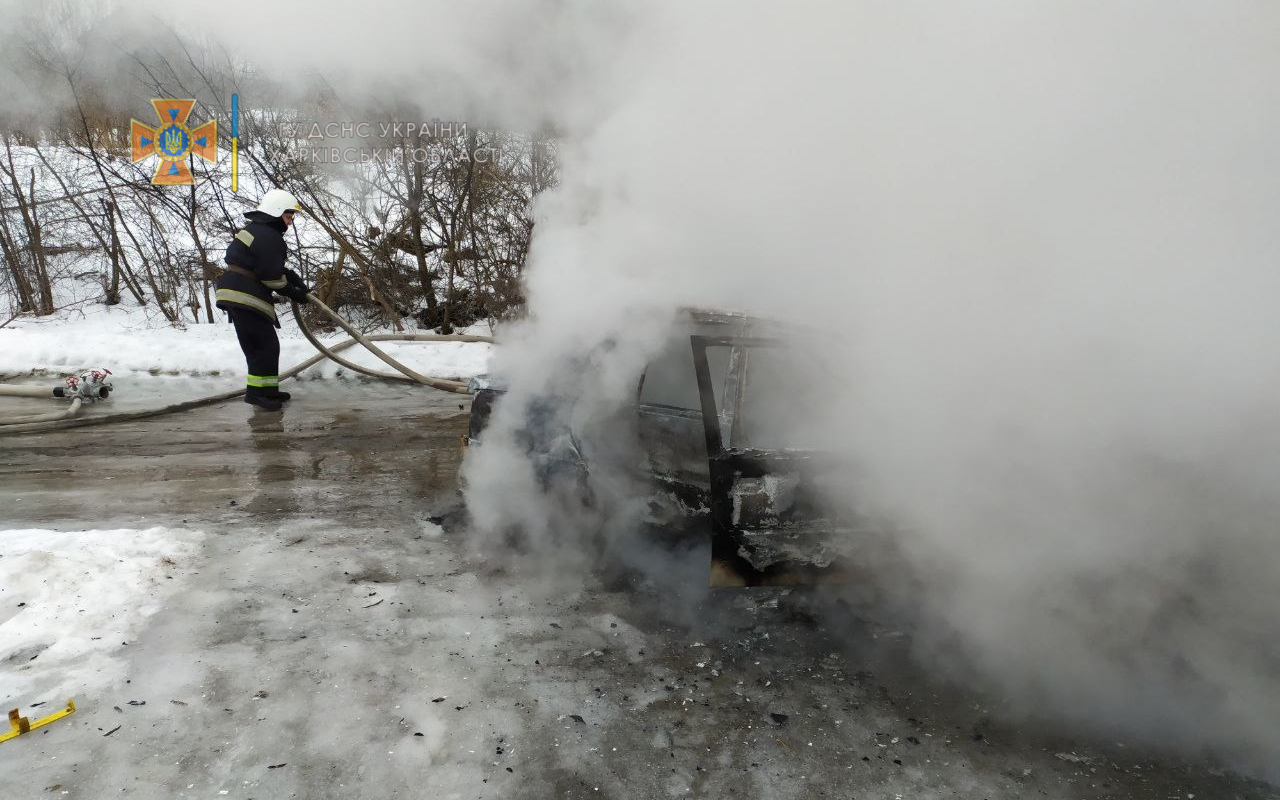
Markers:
131,343
70,603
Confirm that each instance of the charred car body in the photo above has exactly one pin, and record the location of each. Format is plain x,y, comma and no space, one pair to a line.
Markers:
728,446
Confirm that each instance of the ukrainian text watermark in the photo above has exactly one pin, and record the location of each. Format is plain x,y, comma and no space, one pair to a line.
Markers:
432,143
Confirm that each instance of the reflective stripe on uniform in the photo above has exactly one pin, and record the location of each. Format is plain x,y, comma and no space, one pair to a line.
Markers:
278,283
245,299
245,237
264,381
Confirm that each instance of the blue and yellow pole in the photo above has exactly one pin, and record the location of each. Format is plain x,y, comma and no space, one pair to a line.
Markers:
235,142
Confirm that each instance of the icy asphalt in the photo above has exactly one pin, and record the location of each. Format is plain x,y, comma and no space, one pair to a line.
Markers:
332,640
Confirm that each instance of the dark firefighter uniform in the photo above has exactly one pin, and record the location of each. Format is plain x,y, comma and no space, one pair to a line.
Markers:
255,267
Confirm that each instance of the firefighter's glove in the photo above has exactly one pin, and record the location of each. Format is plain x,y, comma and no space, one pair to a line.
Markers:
297,288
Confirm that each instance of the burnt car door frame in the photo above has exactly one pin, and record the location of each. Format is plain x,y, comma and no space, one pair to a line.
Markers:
727,464
717,425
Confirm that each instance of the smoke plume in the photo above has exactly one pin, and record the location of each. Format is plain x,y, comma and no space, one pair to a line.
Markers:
1045,241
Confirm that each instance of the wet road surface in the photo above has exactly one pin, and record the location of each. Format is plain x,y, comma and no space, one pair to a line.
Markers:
331,641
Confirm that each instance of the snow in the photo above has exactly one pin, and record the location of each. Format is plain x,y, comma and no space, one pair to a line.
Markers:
71,601
135,346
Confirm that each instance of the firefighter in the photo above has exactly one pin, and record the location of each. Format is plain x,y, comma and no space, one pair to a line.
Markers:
255,268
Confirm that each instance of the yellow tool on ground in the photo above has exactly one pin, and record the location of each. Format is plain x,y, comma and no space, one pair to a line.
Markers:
21,725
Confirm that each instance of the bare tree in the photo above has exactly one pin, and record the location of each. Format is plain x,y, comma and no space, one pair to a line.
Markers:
443,239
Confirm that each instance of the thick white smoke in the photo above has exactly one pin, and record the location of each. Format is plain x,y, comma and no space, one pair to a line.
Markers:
1047,236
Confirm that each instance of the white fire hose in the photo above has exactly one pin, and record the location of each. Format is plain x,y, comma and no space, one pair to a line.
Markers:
93,386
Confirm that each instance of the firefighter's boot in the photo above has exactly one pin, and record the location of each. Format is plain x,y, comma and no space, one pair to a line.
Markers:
260,397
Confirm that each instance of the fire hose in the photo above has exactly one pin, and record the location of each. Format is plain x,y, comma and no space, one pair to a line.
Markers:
92,386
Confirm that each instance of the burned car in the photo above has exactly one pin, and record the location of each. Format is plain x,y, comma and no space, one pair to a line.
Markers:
729,448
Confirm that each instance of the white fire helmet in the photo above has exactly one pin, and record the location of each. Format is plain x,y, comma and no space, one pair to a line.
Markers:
277,201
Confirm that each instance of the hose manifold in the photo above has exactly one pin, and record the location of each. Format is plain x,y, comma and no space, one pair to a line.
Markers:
90,386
